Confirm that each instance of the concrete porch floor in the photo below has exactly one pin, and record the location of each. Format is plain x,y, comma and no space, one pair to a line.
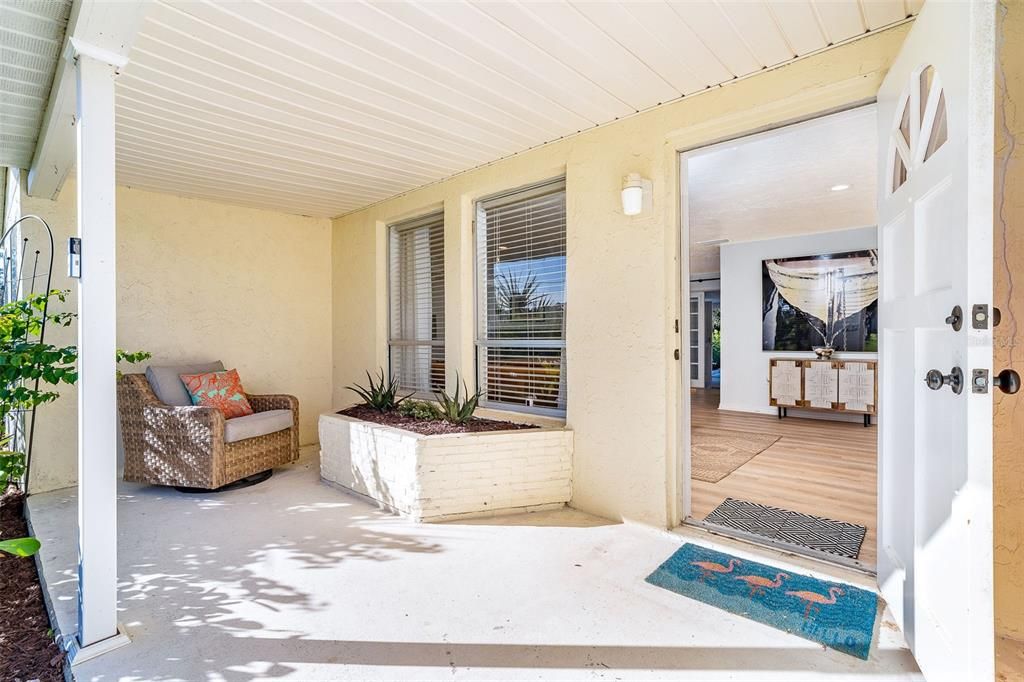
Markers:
292,579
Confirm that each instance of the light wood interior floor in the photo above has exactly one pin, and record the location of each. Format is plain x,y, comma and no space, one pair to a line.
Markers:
819,467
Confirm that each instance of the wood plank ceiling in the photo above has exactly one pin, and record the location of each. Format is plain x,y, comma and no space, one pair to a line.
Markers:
31,35
323,107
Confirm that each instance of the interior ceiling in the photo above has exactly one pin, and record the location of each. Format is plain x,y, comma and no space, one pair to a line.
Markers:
322,107
31,35
780,184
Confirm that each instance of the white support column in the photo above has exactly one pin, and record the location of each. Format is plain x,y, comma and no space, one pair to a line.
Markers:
97,329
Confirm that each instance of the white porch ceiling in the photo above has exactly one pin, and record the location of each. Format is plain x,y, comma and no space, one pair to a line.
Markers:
321,107
31,36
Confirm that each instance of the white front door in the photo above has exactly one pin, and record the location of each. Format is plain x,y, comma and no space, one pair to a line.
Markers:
935,117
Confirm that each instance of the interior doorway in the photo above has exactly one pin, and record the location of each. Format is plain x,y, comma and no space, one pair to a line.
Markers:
780,238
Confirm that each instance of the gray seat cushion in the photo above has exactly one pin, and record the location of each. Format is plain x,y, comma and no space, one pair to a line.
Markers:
165,380
257,424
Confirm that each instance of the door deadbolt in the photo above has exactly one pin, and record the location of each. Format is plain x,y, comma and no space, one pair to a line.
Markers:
936,379
956,318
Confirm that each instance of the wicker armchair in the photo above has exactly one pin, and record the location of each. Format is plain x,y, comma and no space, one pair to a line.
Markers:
184,446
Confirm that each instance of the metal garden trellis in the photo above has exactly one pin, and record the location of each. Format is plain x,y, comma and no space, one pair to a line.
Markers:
14,285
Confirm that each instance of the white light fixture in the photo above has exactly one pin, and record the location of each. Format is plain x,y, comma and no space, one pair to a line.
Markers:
712,242
839,188
636,194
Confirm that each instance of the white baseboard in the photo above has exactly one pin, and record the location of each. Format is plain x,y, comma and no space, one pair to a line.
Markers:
798,412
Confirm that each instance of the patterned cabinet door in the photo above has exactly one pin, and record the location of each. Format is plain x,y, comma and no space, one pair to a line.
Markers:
785,382
857,388
821,384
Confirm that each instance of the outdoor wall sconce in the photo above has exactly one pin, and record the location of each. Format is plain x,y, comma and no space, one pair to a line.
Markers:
636,194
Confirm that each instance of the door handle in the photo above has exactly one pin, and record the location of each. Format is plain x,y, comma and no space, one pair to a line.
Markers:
936,379
1007,381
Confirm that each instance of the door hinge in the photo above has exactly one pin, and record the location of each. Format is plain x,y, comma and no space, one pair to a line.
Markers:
979,316
979,381
676,354
677,326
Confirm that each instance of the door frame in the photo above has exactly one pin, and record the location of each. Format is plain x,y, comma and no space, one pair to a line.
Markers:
684,424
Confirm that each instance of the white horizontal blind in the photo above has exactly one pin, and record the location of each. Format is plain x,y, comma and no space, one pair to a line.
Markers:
521,298
416,287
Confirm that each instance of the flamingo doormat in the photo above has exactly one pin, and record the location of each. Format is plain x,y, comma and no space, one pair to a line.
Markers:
837,615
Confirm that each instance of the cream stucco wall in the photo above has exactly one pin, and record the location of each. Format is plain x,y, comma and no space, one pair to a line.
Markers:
199,280
622,273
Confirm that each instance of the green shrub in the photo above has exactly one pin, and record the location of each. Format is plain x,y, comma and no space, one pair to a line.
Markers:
381,395
458,409
419,409
31,372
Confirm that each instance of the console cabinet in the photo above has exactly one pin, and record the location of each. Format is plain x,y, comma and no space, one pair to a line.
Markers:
833,385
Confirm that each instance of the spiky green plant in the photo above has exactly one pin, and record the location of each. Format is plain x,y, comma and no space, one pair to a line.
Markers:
382,394
458,408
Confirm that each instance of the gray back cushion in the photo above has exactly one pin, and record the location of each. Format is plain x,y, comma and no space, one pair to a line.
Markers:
165,380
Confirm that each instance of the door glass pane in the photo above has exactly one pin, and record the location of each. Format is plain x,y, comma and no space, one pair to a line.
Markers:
938,132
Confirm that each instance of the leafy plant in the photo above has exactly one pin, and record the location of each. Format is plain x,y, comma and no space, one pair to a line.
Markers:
132,358
12,463
419,409
458,408
381,395
22,547
30,370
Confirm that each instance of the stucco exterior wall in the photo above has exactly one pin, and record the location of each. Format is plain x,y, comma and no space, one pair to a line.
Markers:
622,273
199,280
1008,466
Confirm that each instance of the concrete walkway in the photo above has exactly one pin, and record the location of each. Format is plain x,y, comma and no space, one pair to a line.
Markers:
292,579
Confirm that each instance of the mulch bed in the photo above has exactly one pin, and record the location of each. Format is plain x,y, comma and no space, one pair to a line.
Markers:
430,427
27,648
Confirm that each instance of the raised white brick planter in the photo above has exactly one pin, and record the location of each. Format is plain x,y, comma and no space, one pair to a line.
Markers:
429,478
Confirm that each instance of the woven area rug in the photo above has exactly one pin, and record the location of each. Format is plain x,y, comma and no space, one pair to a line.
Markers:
782,525
837,615
716,453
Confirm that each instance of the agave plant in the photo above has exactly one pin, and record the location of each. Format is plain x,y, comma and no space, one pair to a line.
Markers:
382,394
458,408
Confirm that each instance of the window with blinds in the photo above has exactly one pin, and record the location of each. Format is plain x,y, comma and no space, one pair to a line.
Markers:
416,293
521,298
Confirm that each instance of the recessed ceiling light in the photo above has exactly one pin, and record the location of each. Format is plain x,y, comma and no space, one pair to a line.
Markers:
839,188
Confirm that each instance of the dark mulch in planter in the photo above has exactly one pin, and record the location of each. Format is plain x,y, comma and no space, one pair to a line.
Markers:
430,427
27,648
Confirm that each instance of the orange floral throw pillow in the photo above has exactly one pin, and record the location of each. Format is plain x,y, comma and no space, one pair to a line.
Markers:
222,390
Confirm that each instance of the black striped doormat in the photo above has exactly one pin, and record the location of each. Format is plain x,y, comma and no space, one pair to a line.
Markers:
783,525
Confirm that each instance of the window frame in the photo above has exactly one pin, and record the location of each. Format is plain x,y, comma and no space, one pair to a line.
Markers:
426,219
480,342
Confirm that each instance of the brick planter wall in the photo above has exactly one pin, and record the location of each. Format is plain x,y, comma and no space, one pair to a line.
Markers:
431,478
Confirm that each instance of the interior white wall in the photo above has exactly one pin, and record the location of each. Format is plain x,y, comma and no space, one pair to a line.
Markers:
744,364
